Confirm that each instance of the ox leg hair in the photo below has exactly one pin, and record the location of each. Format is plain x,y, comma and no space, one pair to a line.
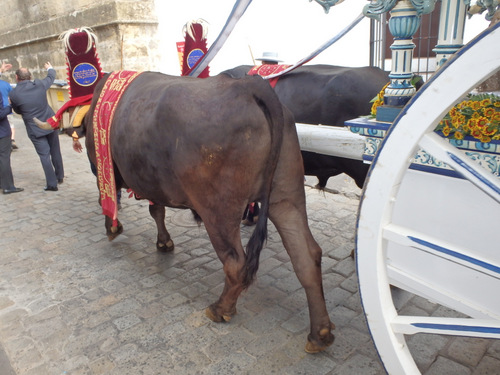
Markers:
164,243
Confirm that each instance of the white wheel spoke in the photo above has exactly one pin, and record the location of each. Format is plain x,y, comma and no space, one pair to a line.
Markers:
410,325
458,160
454,253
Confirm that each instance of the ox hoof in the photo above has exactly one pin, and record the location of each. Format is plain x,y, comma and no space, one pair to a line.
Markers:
165,247
114,232
214,317
326,339
312,348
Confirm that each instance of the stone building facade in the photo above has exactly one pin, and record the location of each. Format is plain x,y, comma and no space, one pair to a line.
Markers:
126,29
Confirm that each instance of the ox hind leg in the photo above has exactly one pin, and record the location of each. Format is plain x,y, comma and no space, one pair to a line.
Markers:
224,233
305,254
288,213
164,243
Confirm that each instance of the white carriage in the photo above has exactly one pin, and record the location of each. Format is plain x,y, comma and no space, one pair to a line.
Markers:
429,213
430,208
432,234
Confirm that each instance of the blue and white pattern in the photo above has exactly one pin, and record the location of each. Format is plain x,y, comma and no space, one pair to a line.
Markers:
485,154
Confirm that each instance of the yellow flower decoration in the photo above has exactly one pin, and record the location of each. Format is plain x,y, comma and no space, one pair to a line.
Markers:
489,112
378,100
478,116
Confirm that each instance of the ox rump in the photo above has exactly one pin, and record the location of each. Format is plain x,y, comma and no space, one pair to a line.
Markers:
213,146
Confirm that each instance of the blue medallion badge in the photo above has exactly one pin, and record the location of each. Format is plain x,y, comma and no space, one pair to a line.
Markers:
193,57
85,74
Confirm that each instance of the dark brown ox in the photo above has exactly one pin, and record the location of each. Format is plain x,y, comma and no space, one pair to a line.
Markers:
185,143
327,95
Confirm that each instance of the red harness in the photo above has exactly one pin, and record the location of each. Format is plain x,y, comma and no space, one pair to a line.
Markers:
267,70
104,111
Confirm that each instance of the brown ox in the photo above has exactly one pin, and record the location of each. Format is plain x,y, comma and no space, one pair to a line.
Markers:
184,142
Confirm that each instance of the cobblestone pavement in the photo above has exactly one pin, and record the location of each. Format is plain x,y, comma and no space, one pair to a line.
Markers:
71,302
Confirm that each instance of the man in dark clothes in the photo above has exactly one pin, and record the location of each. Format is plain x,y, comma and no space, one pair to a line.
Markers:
29,99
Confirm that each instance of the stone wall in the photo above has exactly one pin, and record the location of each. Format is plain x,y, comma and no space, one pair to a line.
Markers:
127,32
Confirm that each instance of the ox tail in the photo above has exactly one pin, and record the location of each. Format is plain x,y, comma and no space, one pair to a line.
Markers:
272,108
255,244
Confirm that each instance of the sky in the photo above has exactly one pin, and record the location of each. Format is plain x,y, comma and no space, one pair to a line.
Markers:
292,28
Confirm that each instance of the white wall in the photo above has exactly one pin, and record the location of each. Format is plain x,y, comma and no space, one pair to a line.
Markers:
293,28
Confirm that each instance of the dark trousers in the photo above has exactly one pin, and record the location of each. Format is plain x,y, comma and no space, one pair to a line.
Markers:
6,179
49,151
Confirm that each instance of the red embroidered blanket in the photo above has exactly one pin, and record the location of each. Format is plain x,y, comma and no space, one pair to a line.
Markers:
266,70
104,111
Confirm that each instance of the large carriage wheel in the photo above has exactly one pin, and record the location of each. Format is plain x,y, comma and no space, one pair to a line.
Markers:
435,236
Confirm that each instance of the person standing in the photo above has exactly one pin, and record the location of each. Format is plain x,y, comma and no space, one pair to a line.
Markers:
29,99
6,178
4,90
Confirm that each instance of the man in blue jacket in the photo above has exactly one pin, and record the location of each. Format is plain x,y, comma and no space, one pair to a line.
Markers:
29,99
6,178
4,90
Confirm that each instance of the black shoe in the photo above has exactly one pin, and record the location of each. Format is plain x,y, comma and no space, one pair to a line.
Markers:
50,188
60,181
13,144
10,191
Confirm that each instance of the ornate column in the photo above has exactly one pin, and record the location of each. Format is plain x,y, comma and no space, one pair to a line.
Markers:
404,22
451,30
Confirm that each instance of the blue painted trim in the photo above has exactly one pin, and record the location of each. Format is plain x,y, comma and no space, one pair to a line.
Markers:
403,47
460,162
436,170
406,76
457,327
489,147
477,262
446,25
396,101
455,21
365,123
446,46
443,51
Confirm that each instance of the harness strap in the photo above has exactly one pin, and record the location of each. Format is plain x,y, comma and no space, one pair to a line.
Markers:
320,49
